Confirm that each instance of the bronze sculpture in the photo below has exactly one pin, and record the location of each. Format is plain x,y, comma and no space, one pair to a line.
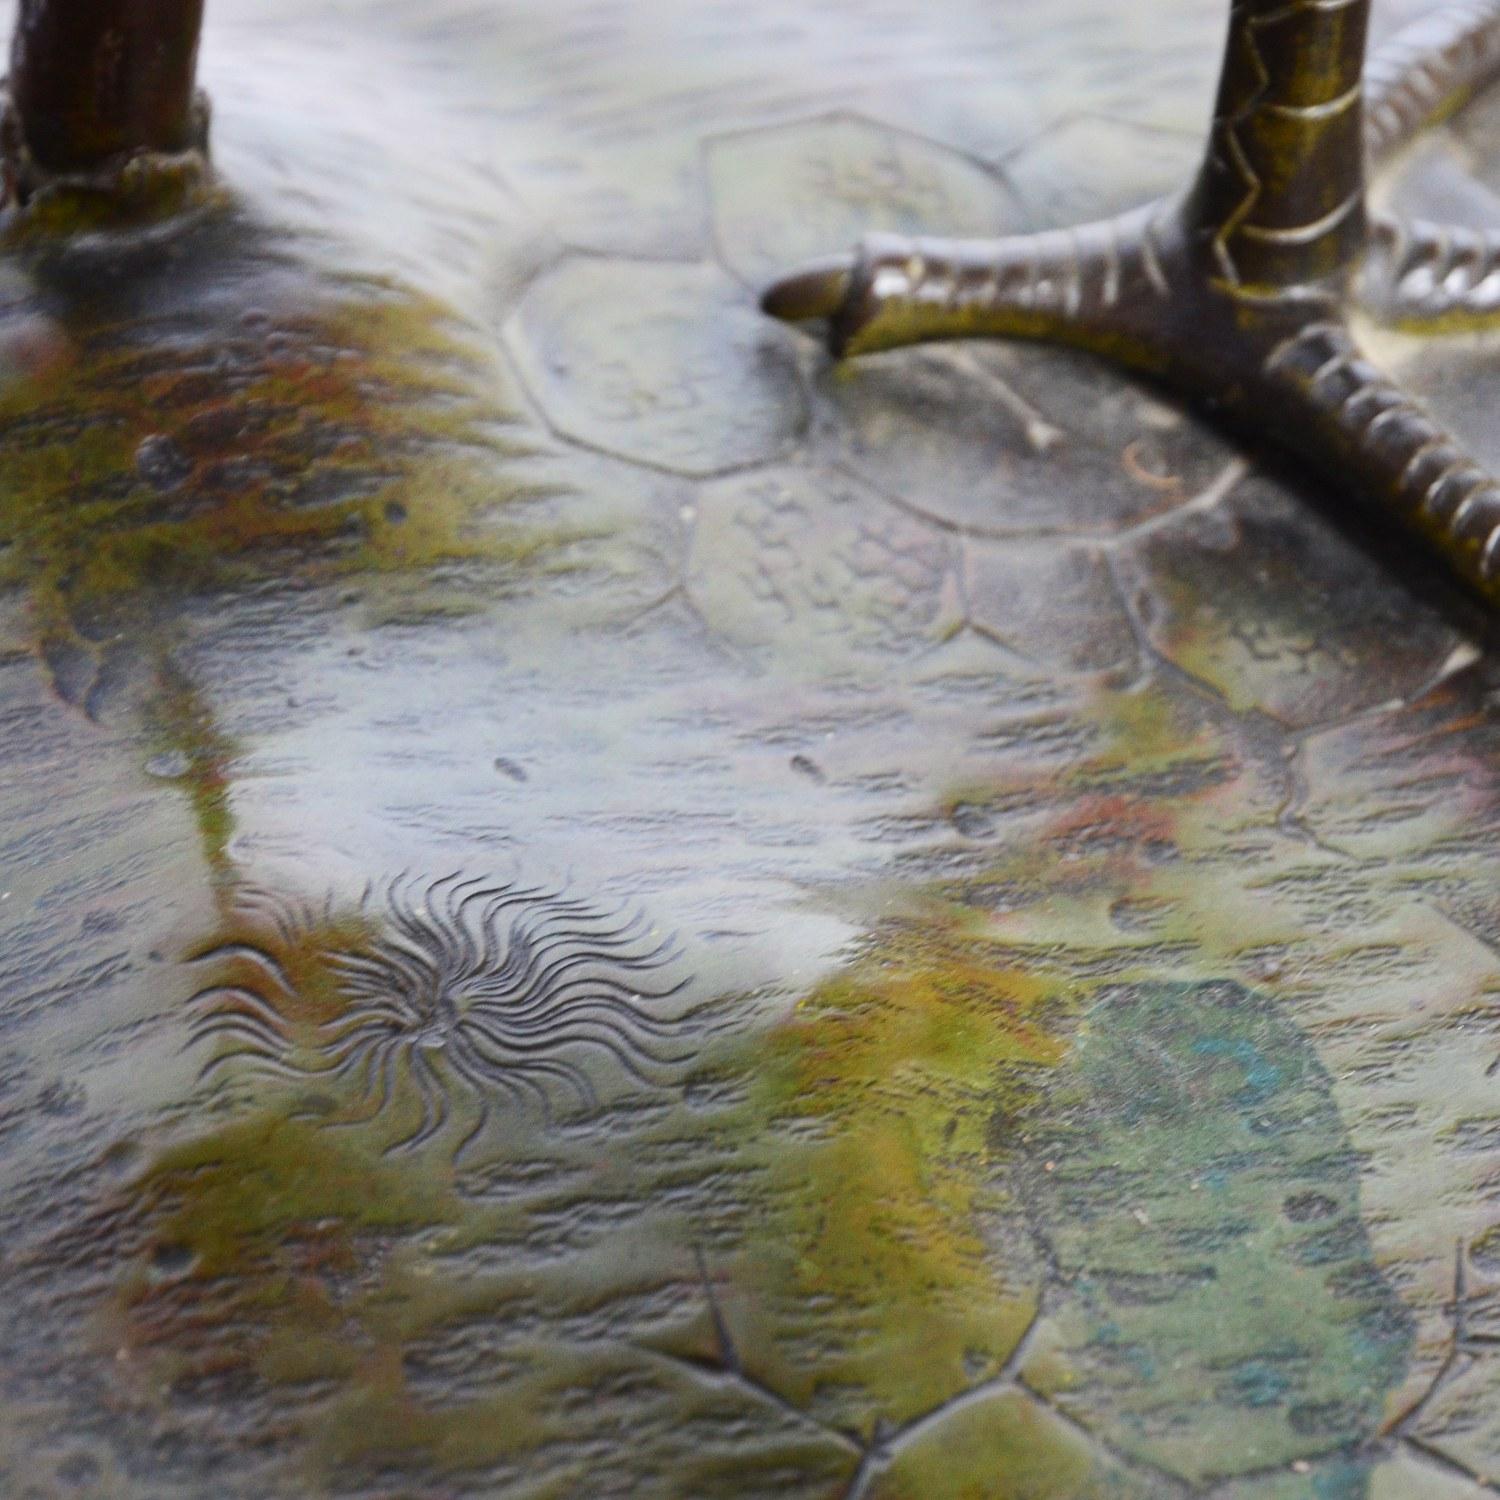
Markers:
1171,802
1236,293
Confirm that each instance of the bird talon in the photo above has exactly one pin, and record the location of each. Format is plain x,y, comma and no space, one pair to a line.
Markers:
816,290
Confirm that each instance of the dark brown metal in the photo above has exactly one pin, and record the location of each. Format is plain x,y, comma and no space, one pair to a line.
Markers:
1281,195
1236,292
95,81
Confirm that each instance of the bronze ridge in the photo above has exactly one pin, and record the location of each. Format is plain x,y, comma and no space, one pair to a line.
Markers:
1237,292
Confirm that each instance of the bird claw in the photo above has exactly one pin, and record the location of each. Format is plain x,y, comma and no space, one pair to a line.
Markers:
813,291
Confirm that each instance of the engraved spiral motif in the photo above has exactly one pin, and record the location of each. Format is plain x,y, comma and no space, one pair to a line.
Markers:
471,995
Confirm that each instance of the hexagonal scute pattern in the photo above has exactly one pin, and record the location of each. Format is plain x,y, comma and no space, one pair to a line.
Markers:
791,192
1276,610
593,906
662,364
1007,441
1051,602
814,568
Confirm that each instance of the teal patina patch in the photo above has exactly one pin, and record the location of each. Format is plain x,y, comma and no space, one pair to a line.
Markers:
1220,1303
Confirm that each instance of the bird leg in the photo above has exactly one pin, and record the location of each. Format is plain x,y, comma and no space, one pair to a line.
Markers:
1237,292
100,105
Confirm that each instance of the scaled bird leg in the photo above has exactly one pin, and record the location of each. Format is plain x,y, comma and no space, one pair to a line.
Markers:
99,90
1427,277
1419,275
1429,70
1236,292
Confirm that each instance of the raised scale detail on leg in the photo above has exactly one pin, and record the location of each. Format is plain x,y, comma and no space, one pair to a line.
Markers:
1420,275
1429,70
1236,292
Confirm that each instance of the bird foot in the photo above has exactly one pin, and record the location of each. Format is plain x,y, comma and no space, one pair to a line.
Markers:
1158,291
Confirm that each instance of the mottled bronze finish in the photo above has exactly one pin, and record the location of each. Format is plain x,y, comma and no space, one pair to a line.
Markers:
1079,860
1237,292
94,83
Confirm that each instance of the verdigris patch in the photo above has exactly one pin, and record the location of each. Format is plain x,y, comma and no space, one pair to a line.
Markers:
1197,1196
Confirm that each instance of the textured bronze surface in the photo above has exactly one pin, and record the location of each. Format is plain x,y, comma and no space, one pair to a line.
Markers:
1238,292
595,905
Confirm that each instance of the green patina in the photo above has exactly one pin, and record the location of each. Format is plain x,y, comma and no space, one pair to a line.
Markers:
868,1211
930,1128
143,474
273,1218
140,471
1200,1198
1007,1053
232,1196
273,1209
1005,1448
147,192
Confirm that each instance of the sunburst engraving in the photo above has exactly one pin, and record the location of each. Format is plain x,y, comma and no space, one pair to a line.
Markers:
442,1003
